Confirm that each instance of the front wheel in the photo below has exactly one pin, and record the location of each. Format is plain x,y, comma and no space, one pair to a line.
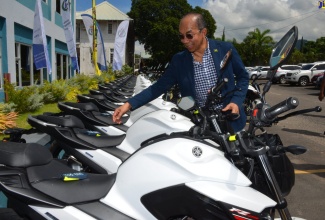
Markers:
282,80
253,77
303,81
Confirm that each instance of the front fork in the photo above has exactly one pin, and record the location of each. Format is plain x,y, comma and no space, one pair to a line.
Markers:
274,187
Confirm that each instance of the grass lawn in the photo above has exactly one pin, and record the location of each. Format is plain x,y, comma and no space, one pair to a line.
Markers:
22,118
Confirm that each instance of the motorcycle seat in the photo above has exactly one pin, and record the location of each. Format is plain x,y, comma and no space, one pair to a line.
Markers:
48,180
87,106
65,121
15,154
101,141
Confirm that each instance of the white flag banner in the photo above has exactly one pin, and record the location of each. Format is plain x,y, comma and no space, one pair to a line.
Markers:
101,57
40,52
119,45
68,31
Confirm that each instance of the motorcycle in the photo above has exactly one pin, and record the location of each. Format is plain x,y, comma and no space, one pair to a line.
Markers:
191,179
98,151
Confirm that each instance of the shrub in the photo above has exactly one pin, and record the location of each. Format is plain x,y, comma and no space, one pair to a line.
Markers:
83,82
55,91
24,99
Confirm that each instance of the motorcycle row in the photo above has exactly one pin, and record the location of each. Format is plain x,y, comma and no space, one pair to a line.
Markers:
166,160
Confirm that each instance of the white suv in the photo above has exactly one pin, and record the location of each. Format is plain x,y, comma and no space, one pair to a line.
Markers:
305,74
281,72
261,72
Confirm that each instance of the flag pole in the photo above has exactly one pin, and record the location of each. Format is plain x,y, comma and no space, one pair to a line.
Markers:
97,71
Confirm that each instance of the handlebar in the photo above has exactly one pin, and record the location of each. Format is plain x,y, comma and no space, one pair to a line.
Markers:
281,107
216,89
303,111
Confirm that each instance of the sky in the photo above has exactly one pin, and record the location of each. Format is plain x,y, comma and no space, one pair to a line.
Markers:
238,17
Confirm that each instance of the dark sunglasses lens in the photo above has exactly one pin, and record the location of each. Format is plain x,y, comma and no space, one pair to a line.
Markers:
188,36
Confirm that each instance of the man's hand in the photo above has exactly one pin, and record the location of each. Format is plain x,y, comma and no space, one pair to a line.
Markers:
233,107
120,111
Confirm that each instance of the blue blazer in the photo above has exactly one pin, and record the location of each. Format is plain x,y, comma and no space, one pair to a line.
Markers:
181,71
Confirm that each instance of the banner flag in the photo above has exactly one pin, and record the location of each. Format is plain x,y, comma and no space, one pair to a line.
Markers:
101,56
40,52
68,31
119,45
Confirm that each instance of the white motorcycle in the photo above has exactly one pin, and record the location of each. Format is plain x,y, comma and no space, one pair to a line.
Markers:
177,176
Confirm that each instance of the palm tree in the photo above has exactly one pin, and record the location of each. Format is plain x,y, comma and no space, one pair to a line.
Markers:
259,44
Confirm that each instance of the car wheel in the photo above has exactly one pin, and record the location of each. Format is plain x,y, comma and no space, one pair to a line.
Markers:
253,77
303,81
282,80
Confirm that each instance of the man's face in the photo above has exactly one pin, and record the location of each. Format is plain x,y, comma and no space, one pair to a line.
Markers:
190,35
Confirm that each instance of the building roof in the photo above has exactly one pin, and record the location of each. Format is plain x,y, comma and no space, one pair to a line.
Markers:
105,11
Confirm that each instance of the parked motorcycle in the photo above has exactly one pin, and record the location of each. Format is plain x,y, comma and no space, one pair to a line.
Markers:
176,176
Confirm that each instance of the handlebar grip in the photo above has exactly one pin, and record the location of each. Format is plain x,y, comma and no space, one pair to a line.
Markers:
281,107
218,87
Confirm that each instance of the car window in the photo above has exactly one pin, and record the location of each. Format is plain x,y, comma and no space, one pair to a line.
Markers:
289,67
265,68
320,67
307,66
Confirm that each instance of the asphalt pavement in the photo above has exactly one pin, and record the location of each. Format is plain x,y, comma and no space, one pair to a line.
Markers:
307,198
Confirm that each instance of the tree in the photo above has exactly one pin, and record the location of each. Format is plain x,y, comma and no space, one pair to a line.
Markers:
259,44
156,25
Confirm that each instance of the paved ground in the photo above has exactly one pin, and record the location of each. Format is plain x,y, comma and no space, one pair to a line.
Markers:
307,198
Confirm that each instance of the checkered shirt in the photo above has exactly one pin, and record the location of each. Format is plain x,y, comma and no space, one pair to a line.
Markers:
205,77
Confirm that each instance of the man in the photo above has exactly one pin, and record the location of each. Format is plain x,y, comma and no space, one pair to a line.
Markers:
196,70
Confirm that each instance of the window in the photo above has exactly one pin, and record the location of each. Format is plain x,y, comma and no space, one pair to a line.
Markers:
111,55
26,72
110,28
62,66
44,1
78,32
320,67
58,6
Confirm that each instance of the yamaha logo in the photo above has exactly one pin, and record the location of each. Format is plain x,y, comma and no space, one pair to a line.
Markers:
173,117
197,151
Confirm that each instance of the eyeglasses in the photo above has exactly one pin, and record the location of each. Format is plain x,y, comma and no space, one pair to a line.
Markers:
188,35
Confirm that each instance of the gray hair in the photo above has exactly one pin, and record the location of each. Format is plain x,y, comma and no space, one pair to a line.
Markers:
199,19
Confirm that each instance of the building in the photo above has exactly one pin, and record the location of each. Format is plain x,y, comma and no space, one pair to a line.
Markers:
108,18
16,32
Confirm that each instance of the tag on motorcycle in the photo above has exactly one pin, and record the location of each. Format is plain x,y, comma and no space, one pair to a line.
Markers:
73,176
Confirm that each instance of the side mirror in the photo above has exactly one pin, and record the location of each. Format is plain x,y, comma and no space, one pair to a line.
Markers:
283,49
186,103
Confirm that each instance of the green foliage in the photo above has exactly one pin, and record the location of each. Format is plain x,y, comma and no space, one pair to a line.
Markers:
24,99
257,46
7,107
55,91
82,82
